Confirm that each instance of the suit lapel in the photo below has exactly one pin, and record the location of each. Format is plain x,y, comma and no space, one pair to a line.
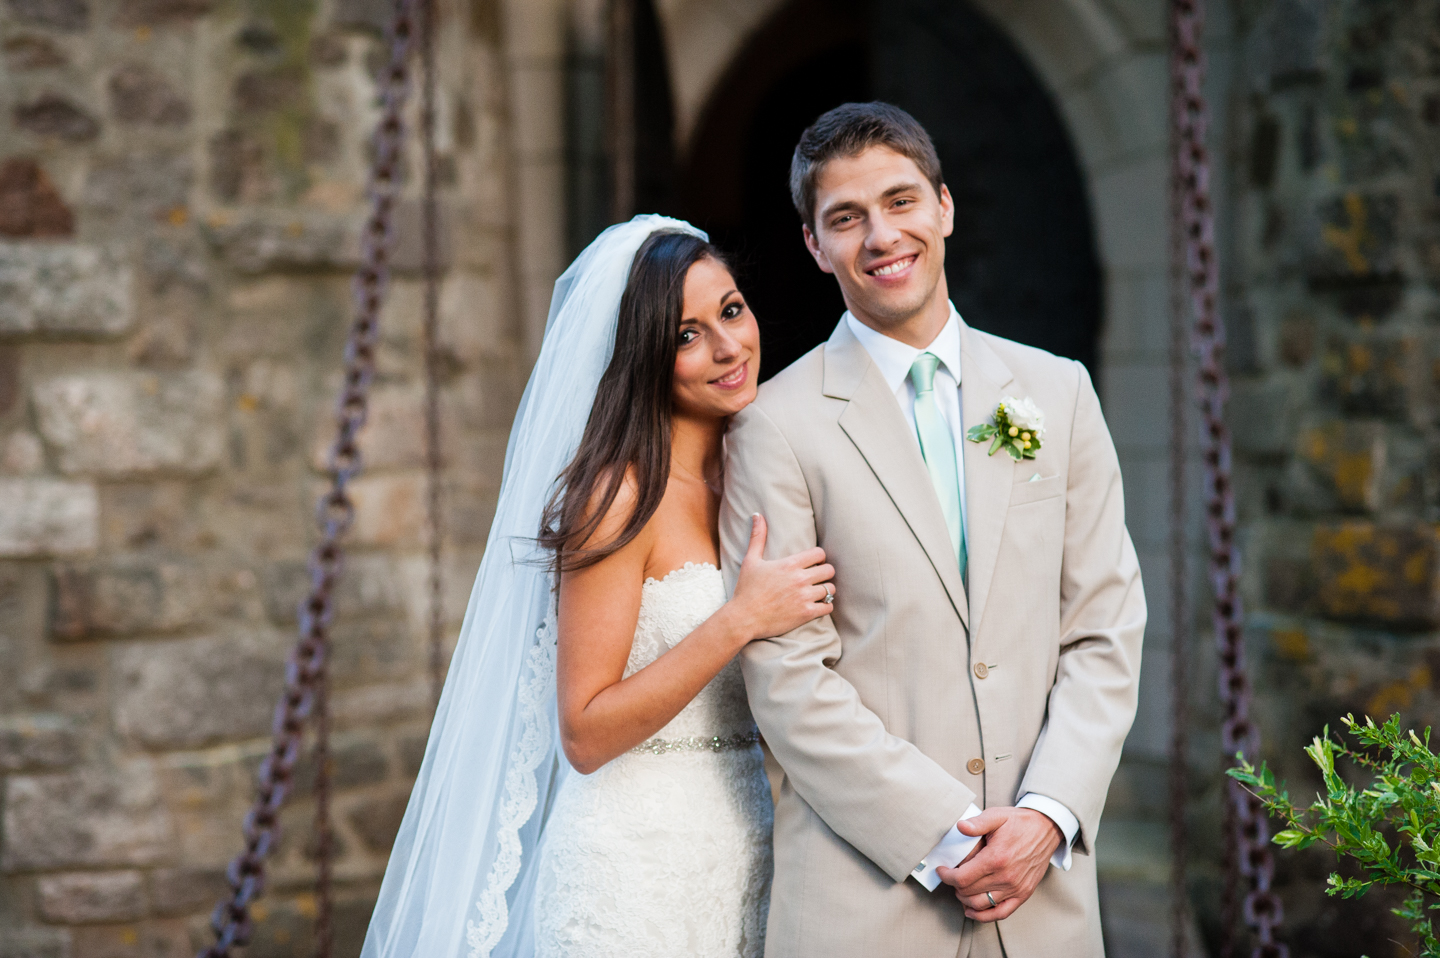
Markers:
988,479
873,421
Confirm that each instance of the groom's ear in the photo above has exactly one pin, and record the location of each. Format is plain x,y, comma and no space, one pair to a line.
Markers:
947,211
813,246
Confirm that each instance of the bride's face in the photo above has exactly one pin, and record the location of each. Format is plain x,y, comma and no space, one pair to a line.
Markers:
718,360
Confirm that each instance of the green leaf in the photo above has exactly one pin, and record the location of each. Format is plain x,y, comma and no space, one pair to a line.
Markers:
1290,838
980,433
1015,451
995,445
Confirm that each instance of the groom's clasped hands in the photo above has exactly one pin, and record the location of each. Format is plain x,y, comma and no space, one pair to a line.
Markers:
1014,852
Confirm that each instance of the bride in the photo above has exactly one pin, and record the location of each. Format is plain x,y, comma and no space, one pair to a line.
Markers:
593,784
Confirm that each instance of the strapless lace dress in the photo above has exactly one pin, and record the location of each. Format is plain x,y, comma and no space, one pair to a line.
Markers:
664,852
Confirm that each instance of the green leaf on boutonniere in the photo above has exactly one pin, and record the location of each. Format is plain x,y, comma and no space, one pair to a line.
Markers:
995,445
1016,452
981,433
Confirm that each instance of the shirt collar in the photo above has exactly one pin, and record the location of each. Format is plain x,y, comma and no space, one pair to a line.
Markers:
893,358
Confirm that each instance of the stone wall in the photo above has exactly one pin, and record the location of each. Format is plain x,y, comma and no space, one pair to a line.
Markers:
181,183
1332,271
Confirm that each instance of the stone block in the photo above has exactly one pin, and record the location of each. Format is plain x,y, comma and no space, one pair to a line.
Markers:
21,454
120,423
372,15
393,434
237,167
263,91
371,649
408,253
261,244
64,289
389,509
1387,575
69,16
151,514
369,586
142,95
1353,237
192,692
473,323
1287,44
377,820
412,754
1260,415
40,517
125,598
1348,458
86,897
1373,374
31,743
185,891
141,189
352,764
1289,584
372,705
31,52
90,818
35,943
30,205
145,13
53,116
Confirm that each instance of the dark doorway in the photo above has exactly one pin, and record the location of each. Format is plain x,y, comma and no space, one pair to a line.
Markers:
1021,262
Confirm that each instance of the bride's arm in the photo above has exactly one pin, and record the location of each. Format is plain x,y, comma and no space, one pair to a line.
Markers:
602,715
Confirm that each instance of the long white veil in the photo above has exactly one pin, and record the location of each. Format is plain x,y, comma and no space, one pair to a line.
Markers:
461,875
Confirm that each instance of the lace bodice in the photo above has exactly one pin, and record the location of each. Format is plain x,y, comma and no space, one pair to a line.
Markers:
670,609
664,852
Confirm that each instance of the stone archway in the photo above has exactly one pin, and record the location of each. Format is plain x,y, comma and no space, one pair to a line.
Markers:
1021,261
1103,67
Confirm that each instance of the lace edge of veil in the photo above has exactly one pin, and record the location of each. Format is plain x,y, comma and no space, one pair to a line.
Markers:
521,793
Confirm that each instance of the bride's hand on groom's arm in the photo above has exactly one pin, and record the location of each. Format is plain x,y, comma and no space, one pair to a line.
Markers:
1009,863
774,597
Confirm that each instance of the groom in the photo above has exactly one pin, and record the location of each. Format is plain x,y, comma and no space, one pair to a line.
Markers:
967,699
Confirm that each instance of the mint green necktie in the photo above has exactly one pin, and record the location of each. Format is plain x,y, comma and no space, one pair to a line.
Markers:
937,446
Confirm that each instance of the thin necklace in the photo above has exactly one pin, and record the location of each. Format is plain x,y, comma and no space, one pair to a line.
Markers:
712,486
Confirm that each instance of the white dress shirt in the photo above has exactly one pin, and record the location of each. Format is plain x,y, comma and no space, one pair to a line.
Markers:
893,359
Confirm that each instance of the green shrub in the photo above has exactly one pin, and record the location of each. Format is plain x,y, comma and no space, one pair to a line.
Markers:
1391,826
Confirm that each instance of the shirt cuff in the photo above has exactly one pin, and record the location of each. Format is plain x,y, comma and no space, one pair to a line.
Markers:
950,852
1061,816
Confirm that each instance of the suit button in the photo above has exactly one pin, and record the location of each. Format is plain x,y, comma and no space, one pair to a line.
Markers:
975,766
981,670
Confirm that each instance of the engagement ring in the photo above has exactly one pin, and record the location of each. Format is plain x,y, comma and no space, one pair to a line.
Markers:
829,595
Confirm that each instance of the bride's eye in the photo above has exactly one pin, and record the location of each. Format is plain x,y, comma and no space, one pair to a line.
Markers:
732,310
687,336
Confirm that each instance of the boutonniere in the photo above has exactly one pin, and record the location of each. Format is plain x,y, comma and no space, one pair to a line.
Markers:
1017,426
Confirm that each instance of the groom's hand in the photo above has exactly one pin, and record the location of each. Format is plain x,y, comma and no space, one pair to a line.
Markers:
1010,862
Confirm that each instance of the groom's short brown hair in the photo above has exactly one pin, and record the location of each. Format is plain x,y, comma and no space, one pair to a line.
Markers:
849,130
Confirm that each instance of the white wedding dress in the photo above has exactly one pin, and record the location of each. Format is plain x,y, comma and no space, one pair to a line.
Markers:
664,852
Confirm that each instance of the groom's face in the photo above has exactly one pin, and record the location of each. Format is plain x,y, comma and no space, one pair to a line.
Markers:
880,227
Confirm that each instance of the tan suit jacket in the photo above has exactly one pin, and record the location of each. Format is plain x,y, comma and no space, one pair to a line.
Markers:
876,710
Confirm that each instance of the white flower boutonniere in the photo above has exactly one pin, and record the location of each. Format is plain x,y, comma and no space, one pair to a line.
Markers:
1017,426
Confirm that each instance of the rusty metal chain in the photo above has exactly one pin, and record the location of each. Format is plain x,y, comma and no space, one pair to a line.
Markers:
430,337
305,672
1247,832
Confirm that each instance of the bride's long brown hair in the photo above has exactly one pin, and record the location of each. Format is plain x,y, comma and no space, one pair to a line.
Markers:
629,425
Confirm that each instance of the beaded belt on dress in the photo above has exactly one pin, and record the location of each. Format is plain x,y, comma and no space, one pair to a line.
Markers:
696,743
